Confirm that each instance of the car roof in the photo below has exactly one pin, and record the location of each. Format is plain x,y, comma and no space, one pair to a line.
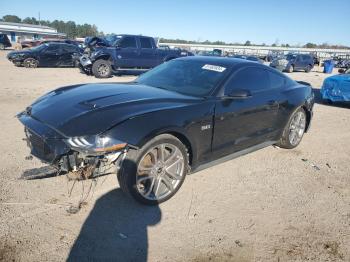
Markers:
58,43
222,61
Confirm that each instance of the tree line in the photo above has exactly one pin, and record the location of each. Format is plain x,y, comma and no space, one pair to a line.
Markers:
73,30
70,28
249,43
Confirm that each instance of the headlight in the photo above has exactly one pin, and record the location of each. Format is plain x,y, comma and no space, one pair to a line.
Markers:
95,144
94,54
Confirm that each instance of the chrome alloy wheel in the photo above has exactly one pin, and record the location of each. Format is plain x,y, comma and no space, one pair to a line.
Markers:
103,70
160,172
297,128
30,63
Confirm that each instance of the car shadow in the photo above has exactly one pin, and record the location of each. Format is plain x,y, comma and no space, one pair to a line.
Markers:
320,100
115,230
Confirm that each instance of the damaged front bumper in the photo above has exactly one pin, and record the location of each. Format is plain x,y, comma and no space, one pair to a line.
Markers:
281,65
51,147
85,64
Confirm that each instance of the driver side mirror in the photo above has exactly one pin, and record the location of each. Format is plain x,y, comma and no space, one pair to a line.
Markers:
238,94
341,71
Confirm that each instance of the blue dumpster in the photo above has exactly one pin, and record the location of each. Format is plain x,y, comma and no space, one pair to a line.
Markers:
328,66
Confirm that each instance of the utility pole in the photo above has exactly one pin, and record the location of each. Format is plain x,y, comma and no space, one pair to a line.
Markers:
39,19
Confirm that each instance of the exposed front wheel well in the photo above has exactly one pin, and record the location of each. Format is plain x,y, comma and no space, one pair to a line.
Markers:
187,144
104,57
308,118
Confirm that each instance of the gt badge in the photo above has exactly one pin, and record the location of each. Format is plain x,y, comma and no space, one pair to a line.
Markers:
205,127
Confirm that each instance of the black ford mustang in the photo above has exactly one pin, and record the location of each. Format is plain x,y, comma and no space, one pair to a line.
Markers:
181,116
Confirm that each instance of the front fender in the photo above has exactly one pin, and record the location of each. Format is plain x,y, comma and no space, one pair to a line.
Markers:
138,131
100,55
186,123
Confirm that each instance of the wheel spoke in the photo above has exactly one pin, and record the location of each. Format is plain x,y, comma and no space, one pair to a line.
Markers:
161,153
144,178
292,137
150,189
172,170
168,183
297,119
157,185
144,170
172,157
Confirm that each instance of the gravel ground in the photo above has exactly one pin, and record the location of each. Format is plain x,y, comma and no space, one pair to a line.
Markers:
270,205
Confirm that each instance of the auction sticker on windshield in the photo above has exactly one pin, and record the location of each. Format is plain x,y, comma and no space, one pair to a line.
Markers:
215,68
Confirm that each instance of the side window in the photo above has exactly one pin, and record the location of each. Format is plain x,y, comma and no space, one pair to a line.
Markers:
145,42
253,79
276,81
128,41
53,49
307,58
69,49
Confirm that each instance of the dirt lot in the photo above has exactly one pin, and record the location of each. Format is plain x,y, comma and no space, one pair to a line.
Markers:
271,205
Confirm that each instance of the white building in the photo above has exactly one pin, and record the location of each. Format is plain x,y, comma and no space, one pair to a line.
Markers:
27,31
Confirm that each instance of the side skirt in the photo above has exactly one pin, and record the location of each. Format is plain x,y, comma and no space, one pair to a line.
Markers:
232,156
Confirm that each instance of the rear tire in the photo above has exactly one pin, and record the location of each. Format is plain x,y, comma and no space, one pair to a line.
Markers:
308,69
2,47
154,173
30,63
102,69
291,69
294,130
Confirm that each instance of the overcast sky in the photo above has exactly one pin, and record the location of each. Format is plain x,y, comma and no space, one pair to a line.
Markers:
269,21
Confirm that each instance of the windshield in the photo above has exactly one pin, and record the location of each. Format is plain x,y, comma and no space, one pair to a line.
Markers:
194,78
252,58
39,47
113,39
290,57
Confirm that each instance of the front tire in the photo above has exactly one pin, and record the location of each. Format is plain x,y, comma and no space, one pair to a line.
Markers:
155,172
308,69
291,69
102,69
2,47
30,63
294,130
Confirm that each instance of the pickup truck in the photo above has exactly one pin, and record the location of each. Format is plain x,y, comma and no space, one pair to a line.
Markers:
125,53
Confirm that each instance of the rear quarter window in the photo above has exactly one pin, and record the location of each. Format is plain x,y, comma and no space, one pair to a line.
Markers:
145,42
276,80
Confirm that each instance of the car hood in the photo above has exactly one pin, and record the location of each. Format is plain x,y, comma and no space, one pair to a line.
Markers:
16,53
91,109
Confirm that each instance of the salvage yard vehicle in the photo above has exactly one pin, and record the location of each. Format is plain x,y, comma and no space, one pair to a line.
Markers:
337,88
249,57
125,53
180,117
4,42
46,55
294,62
